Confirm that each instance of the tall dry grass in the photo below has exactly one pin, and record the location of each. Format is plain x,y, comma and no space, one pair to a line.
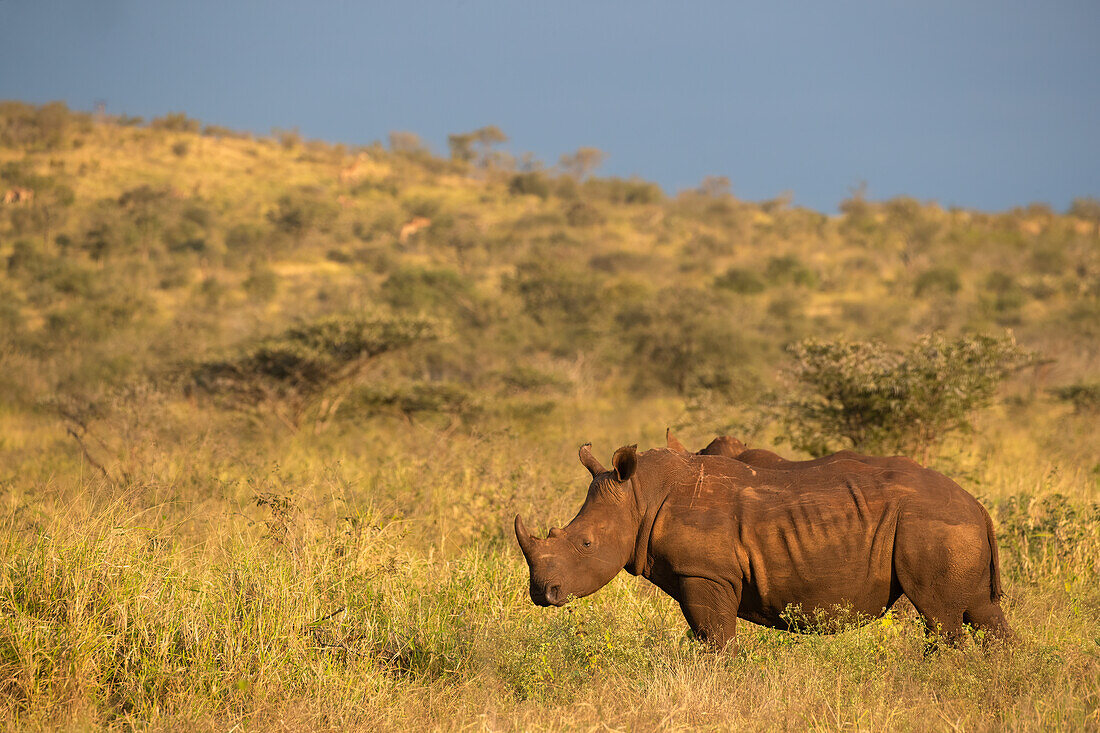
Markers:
368,578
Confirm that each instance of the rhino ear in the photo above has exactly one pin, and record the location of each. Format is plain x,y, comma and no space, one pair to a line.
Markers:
673,443
625,461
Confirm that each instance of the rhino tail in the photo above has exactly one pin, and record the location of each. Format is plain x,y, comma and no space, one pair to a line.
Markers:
996,591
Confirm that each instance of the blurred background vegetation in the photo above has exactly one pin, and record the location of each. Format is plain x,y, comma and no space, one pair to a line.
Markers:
284,348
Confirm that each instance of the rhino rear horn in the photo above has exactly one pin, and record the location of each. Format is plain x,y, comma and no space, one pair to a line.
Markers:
589,461
673,443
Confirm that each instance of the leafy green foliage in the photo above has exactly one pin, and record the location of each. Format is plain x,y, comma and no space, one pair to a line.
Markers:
1085,397
560,298
413,288
580,214
937,280
740,280
789,270
867,396
533,183
465,147
295,367
1004,296
302,211
411,399
1046,534
623,190
47,127
175,122
684,341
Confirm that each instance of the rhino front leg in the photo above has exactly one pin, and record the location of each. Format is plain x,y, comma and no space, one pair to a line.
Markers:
711,609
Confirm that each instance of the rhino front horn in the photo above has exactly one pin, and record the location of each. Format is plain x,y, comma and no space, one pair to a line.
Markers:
526,539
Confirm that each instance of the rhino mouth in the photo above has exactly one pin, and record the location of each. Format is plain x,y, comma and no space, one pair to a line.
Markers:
548,595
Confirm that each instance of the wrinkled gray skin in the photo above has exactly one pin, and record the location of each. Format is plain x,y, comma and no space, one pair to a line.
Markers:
728,540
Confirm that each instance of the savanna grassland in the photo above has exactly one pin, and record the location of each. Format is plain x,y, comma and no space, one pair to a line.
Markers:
268,407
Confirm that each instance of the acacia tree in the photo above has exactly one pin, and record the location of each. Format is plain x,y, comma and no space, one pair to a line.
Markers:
407,143
872,398
583,162
313,365
476,145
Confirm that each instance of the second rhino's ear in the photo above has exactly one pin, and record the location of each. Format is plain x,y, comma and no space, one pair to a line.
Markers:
673,443
625,461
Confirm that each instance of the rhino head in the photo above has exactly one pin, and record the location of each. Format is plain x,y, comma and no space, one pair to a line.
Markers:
586,554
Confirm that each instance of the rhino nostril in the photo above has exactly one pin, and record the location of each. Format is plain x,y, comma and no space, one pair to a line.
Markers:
553,594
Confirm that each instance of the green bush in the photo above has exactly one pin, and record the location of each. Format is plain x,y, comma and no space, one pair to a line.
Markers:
623,191
522,378
1047,535
43,128
106,239
425,206
938,280
533,183
302,211
1085,397
866,396
175,122
789,270
1003,297
47,278
683,340
220,131
554,293
417,397
413,288
620,261
740,280
244,238
1086,207
292,369
262,283
580,214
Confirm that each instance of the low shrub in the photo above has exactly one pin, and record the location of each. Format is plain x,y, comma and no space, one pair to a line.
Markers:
1085,397
289,372
867,396
411,399
938,280
789,270
740,280
533,183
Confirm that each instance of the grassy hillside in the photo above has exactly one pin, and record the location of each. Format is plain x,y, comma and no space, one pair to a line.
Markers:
268,406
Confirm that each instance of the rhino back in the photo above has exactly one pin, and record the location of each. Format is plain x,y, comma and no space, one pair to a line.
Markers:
821,538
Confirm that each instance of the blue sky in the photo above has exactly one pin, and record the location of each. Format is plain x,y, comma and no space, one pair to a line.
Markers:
978,104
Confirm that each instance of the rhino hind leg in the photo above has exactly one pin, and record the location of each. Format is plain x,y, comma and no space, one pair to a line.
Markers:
944,571
988,620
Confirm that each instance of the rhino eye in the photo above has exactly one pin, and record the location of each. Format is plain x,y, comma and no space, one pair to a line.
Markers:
588,543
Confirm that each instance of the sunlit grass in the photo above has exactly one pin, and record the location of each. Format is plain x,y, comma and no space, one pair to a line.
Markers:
371,580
